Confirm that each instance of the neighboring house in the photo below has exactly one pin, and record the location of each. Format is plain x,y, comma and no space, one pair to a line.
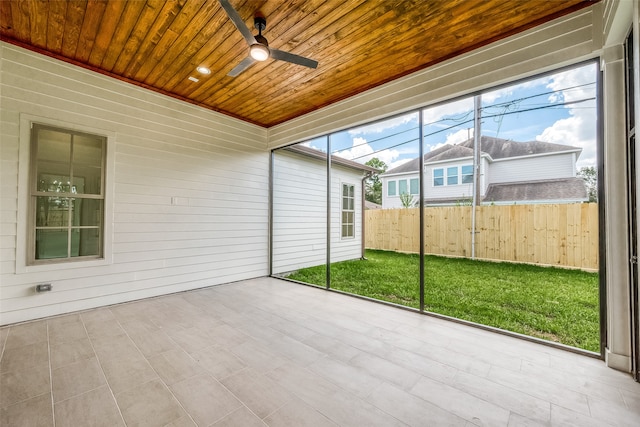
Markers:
510,172
300,208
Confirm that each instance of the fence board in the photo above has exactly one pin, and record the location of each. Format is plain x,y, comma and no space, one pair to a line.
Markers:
554,234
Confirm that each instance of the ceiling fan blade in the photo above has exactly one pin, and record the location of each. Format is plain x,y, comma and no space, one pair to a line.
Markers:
293,58
243,65
238,22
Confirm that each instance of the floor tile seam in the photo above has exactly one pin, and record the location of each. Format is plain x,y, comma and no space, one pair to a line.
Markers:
221,385
624,410
577,388
431,359
277,409
585,371
511,410
103,373
551,382
395,365
490,378
327,354
341,387
424,341
3,407
104,378
579,414
4,344
246,368
406,391
166,386
233,412
160,377
627,404
365,401
7,371
349,343
468,420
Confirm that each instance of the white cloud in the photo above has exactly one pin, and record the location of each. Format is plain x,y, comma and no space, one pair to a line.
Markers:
459,136
459,108
453,139
579,129
491,97
362,152
379,127
310,145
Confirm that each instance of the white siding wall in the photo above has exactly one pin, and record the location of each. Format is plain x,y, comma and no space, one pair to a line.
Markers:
533,168
300,213
213,168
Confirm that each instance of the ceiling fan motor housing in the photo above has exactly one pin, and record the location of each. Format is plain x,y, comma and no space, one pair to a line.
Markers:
261,40
260,22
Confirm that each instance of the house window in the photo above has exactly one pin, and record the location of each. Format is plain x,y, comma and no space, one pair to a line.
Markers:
66,195
467,174
414,187
452,175
438,177
402,186
391,188
348,210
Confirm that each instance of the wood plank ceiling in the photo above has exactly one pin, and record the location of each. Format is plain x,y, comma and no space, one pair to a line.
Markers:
359,44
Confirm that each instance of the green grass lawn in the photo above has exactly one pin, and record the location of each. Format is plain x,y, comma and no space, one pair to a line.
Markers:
545,302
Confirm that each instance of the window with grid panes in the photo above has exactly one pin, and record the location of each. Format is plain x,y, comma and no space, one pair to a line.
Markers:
348,210
66,195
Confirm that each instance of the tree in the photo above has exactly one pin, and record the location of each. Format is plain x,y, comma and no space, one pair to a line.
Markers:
590,176
373,184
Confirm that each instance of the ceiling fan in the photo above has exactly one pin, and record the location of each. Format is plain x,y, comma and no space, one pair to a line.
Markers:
259,49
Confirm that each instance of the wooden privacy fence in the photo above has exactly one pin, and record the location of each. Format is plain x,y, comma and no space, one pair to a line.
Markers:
564,235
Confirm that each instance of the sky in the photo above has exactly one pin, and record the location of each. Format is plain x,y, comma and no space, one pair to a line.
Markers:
558,108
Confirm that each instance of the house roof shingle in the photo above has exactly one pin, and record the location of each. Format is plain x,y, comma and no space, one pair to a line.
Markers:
550,189
496,148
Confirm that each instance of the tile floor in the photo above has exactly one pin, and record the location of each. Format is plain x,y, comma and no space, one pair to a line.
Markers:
268,352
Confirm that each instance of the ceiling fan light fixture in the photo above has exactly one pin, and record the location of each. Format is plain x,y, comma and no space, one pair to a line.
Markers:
259,52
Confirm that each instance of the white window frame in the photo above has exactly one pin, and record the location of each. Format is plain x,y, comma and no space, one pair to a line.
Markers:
417,181
69,194
343,211
395,188
443,177
462,175
24,225
406,187
456,176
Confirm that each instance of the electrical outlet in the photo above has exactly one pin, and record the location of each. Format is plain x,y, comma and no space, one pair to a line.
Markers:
43,287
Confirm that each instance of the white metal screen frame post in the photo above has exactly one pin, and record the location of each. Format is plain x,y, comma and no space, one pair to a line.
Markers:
421,209
328,266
